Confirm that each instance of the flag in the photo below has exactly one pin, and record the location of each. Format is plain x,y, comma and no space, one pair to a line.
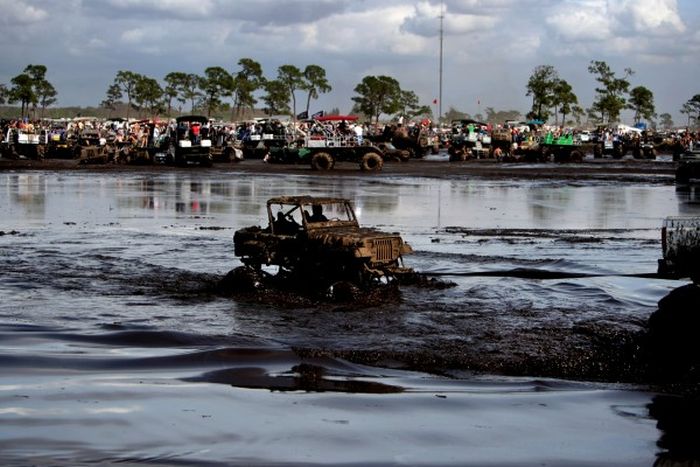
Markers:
303,116
318,114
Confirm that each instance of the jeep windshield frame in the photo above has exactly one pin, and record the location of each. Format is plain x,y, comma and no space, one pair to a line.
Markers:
299,208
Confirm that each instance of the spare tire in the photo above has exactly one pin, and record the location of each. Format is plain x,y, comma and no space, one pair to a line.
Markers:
322,161
371,162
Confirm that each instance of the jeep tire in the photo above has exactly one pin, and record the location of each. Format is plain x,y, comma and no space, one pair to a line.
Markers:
371,162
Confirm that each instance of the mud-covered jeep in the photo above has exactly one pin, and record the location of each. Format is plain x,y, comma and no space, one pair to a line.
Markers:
320,240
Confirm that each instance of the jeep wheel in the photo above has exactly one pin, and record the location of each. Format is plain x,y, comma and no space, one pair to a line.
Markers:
227,155
371,162
322,161
344,291
240,279
597,152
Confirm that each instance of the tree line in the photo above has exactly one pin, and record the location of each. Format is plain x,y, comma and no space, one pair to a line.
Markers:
31,89
554,96
242,90
209,92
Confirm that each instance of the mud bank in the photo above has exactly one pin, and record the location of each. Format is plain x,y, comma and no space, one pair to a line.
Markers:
628,170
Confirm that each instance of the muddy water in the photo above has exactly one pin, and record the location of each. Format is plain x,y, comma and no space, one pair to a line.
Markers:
116,346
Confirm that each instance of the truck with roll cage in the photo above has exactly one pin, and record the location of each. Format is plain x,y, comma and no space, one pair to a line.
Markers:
326,247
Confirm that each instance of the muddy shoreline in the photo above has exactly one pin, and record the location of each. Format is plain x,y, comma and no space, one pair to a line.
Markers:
626,170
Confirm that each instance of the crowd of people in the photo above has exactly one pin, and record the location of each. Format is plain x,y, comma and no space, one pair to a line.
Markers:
344,130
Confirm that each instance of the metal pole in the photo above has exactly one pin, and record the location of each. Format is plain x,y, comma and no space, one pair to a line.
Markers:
442,17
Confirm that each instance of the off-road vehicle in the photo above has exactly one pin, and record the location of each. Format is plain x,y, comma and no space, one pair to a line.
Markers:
469,139
20,143
187,144
60,143
323,153
320,240
91,148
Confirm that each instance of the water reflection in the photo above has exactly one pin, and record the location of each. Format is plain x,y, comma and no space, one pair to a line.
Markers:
412,202
28,192
688,197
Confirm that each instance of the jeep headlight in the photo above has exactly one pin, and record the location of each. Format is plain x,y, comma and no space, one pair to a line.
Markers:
185,143
206,143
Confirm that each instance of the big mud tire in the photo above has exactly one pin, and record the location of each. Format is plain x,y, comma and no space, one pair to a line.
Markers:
597,152
371,162
227,154
241,279
322,161
344,291
40,153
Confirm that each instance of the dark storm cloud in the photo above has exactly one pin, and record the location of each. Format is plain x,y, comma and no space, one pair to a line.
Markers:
491,46
269,12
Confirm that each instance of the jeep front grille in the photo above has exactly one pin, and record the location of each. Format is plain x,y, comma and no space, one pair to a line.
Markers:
384,249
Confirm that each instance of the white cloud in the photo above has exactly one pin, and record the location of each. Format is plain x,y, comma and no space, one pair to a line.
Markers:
348,34
581,20
20,12
424,20
653,16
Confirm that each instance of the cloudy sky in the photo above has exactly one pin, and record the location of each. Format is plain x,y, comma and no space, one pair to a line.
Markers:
490,46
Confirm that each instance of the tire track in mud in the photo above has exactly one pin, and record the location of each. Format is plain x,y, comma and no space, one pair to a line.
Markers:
499,325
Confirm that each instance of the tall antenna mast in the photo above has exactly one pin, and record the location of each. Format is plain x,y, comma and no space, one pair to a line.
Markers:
442,17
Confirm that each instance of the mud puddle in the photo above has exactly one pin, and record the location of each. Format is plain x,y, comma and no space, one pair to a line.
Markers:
112,327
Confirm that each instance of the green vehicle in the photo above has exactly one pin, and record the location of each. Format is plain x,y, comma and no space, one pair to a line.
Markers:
323,153
559,149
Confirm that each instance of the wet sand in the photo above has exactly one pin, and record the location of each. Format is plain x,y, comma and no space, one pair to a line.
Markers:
118,347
